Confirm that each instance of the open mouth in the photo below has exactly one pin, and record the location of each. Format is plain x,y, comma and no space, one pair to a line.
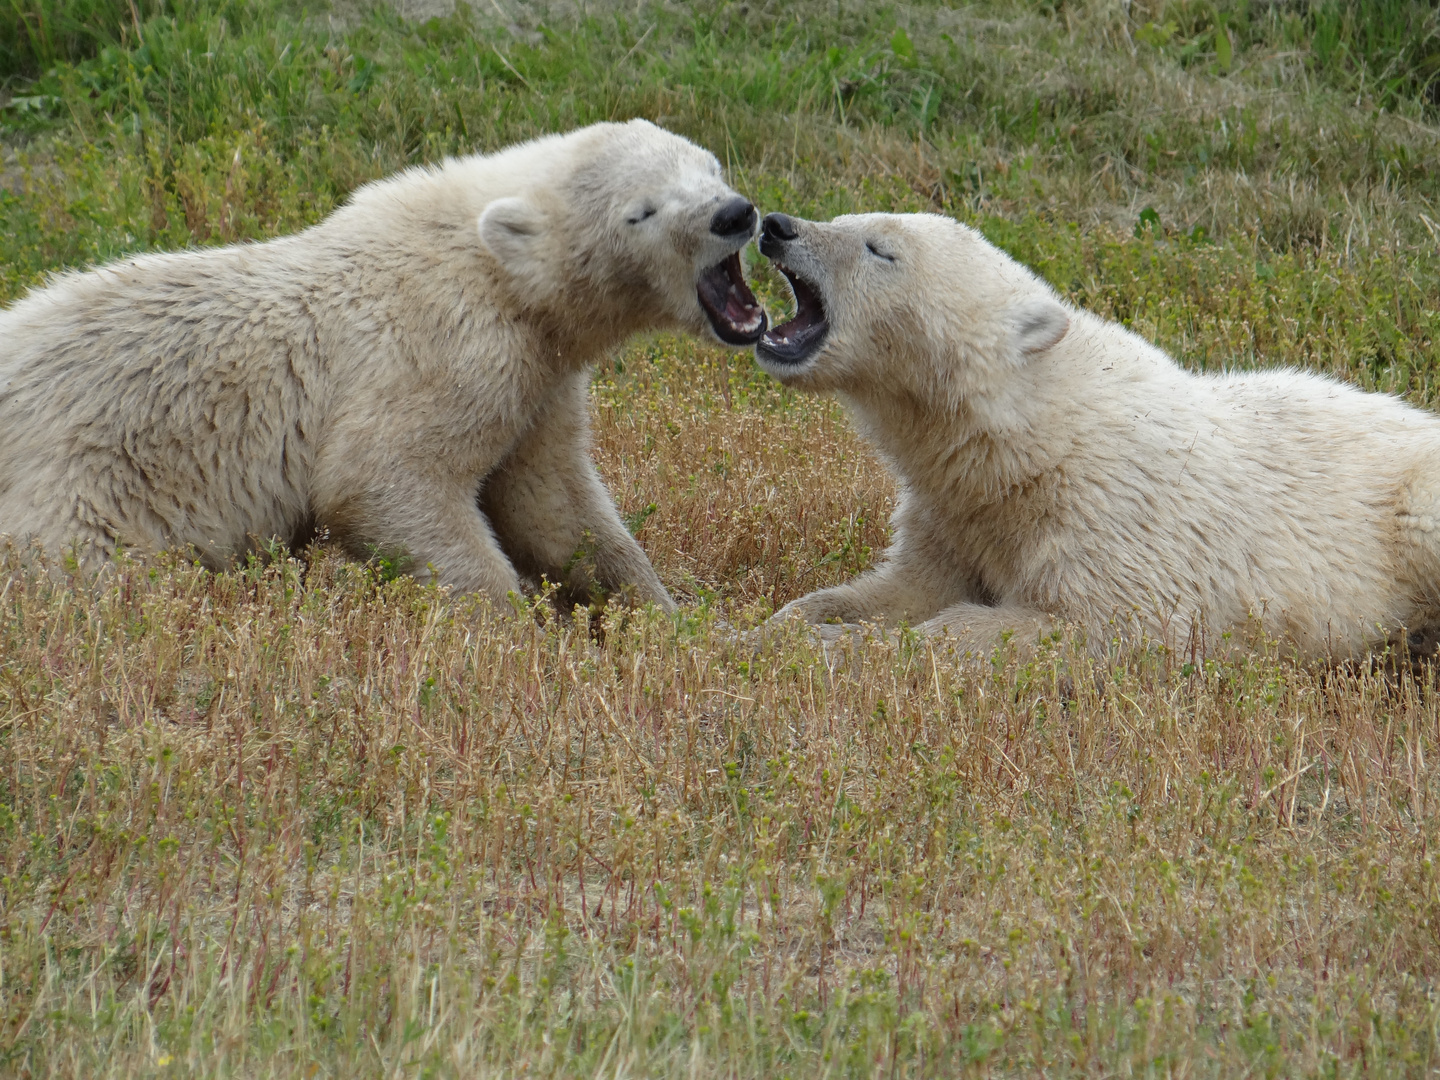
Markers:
793,342
734,313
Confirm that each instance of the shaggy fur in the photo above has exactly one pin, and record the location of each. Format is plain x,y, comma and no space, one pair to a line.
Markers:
1056,468
425,346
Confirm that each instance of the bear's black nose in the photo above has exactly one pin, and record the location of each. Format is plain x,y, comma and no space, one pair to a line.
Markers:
736,216
780,227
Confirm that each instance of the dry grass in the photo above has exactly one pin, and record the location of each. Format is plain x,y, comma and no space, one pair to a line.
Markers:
299,820
296,820
759,496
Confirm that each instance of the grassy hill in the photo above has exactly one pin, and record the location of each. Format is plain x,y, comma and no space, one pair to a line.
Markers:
305,820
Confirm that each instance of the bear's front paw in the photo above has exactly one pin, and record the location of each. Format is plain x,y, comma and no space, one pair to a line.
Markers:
817,608
831,633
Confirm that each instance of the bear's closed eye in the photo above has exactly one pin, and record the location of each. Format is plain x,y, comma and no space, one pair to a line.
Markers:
870,247
649,211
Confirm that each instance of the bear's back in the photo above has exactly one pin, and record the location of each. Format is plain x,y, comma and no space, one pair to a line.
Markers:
180,378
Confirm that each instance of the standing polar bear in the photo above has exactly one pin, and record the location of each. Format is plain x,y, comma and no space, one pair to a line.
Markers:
410,374
1056,468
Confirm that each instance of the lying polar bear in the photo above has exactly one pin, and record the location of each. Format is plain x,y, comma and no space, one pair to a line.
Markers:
426,346
1056,468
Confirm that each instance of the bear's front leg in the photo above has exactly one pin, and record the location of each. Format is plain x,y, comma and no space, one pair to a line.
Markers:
847,603
428,523
886,594
915,581
554,516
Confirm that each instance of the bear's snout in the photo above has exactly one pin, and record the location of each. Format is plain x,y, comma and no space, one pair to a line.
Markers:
780,227
736,216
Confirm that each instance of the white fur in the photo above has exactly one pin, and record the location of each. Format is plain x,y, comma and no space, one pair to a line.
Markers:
425,345
1055,467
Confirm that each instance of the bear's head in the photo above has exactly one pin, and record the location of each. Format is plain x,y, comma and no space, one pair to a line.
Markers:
628,227
913,304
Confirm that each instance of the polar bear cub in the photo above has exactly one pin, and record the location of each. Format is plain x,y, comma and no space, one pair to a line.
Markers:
1056,468
410,374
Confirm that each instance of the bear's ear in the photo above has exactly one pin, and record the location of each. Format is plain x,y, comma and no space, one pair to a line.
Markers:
1038,322
512,229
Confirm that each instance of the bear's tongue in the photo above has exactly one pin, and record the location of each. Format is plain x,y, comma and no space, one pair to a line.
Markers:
733,311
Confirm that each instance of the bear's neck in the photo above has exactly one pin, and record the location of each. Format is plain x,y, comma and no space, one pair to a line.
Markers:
578,342
969,452
593,325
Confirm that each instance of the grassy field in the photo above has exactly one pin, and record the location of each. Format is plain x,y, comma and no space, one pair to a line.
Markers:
301,820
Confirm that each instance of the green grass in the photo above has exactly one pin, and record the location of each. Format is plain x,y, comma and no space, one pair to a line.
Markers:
303,821
237,122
